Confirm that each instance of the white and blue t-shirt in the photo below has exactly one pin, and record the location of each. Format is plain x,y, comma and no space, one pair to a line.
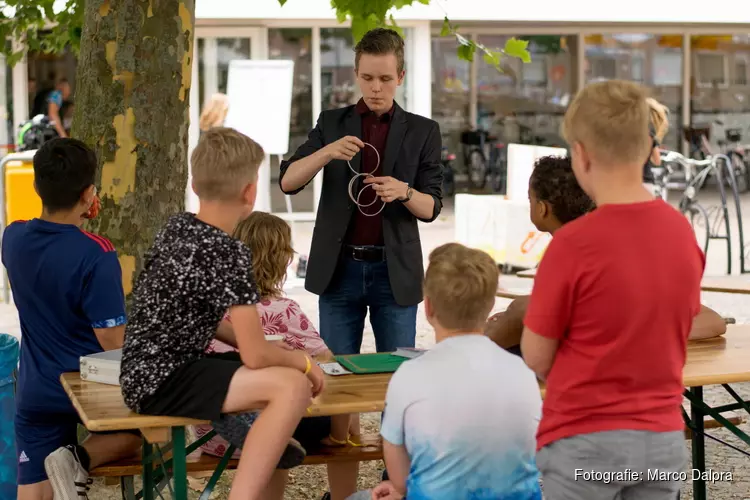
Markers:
467,412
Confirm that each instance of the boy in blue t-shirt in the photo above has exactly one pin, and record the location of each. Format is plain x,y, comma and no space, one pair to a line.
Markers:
67,287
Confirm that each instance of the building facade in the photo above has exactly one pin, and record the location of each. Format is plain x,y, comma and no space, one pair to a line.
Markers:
695,61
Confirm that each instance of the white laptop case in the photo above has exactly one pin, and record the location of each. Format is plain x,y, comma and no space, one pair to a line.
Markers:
103,367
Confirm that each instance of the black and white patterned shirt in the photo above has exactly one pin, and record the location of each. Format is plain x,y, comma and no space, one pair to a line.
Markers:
193,274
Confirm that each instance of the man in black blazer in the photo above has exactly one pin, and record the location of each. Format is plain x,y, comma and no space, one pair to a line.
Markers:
369,255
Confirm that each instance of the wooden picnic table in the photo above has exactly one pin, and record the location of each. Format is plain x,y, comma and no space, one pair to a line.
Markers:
102,408
721,284
718,361
512,293
527,273
726,284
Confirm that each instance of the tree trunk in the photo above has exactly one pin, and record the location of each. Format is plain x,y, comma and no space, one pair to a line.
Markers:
132,95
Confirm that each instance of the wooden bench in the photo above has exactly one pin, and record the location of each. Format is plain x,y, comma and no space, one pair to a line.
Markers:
710,423
124,472
371,449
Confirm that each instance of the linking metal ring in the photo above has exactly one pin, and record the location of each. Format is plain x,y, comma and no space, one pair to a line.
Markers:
353,180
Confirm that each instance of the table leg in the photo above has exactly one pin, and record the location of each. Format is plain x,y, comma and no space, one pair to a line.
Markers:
148,471
698,444
179,463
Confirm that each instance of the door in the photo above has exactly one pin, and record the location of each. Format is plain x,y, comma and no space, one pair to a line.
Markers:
215,48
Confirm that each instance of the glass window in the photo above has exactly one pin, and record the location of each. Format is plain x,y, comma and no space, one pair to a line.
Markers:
338,81
450,91
525,103
652,60
229,49
720,97
339,85
740,69
294,44
711,68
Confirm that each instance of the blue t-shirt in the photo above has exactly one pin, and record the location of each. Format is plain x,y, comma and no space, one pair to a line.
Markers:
467,412
65,283
55,97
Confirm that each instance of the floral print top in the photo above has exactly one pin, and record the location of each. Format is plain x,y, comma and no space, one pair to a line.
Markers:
279,317
284,317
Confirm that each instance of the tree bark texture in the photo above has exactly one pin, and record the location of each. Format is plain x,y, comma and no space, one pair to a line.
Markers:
132,96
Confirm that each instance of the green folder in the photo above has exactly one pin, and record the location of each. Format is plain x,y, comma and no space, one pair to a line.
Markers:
362,364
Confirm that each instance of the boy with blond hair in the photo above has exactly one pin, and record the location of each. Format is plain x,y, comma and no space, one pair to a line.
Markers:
194,274
610,313
459,420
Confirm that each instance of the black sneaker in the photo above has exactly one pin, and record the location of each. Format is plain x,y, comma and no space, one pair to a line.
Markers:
234,429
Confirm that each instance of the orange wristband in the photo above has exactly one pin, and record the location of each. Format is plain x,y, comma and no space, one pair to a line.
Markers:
309,364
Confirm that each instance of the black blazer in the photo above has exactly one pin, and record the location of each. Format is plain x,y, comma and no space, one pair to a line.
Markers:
412,154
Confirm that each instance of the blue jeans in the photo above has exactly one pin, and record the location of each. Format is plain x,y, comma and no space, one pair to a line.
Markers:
357,286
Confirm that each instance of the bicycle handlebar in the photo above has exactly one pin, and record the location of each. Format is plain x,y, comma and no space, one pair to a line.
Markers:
673,156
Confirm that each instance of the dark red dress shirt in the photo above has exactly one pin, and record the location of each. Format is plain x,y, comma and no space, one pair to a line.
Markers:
363,229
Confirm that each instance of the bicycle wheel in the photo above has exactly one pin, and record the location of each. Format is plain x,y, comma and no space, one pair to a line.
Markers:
449,181
477,169
740,172
698,218
499,172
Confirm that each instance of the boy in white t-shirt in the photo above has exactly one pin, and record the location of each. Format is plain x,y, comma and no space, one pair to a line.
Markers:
460,421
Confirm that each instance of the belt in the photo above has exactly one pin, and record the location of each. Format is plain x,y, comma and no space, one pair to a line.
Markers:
365,254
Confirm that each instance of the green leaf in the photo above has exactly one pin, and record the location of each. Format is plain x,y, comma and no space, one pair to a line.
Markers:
466,52
341,16
492,58
13,58
282,2
397,4
446,29
517,48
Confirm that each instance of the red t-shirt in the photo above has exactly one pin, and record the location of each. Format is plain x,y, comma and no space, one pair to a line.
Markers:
619,288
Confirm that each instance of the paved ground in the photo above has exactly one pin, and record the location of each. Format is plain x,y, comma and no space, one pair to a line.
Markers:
309,482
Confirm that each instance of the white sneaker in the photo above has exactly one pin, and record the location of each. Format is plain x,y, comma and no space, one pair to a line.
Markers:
69,480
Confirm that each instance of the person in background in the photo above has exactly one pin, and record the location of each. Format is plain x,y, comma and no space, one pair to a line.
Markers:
67,111
214,112
658,127
556,199
51,105
32,90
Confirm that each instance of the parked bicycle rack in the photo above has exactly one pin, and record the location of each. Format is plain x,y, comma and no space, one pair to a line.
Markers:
725,163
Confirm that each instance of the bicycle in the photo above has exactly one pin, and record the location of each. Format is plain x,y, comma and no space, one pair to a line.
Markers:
474,144
698,138
449,174
738,155
705,223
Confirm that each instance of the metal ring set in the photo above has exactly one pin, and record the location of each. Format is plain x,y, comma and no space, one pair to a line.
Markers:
353,181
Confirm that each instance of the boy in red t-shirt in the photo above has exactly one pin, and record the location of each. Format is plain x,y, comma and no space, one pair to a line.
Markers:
609,316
